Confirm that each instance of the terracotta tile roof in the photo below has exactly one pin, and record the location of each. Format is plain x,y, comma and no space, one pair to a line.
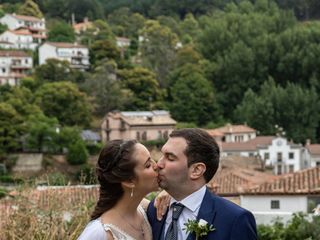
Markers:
65,45
146,118
314,149
26,18
21,31
235,181
82,25
215,132
251,145
13,53
306,181
67,194
45,197
235,129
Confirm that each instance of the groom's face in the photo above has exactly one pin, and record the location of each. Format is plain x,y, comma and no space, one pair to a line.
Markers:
173,165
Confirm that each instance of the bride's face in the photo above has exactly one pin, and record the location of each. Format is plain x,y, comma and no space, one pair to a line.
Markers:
145,170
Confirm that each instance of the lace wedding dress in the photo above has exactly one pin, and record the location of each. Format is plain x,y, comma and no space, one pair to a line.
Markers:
97,230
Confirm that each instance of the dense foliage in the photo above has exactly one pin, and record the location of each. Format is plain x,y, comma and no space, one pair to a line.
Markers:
299,227
208,62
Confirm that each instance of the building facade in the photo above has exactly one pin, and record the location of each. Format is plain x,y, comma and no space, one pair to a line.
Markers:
76,55
140,125
14,65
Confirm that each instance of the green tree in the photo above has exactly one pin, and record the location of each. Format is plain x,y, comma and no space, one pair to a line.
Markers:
55,70
158,50
190,28
61,32
106,89
147,94
10,127
286,107
64,101
77,153
193,98
41,132
103,50
3,28
30,8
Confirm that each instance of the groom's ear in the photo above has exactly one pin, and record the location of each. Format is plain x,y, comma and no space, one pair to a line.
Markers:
197,170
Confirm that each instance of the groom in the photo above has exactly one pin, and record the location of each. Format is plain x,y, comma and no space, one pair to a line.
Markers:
190,159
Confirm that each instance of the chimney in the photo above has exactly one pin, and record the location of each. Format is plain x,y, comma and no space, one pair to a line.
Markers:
73,22
308,142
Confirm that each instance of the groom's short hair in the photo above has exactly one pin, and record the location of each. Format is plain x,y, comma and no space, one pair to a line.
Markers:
201,148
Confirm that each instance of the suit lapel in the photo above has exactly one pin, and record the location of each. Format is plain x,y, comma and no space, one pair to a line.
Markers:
206,212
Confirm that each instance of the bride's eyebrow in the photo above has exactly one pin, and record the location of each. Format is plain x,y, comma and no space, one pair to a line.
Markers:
148,160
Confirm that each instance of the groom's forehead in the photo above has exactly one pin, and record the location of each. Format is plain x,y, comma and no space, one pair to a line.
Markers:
174,145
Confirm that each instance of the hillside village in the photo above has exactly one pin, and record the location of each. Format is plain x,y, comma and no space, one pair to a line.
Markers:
63,96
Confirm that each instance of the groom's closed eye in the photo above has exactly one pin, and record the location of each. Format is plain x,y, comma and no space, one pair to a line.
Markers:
170,156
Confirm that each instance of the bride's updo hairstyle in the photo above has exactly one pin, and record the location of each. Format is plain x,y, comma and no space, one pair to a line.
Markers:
115,165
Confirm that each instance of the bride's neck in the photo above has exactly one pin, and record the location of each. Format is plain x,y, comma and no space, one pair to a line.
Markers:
128,205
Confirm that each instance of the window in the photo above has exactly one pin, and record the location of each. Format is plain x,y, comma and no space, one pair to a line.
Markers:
3,70
275,204
165,135
291,168
159,135
266,156
279,168
138,136
144,136
238,138
279,156
318,164
291,155
251,154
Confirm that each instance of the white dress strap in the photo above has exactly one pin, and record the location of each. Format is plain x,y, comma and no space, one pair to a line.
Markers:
119,234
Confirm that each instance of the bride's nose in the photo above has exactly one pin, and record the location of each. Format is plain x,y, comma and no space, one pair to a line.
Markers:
154,165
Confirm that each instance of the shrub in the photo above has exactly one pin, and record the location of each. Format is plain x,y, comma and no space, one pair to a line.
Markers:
86,175
57,179
94,149
3,192
77,153
299,227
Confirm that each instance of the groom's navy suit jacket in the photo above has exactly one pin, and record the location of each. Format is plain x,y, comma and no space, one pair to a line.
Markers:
230,221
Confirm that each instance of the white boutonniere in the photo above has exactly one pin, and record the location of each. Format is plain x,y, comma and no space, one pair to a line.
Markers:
199,228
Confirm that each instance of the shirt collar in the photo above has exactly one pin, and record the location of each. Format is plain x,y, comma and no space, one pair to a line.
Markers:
193,201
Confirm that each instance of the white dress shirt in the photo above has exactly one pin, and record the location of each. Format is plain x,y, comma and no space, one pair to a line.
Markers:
192,205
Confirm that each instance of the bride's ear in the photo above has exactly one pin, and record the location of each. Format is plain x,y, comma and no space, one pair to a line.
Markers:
197,170
128,184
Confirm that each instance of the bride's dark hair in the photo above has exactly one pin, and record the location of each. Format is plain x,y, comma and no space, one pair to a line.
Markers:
115,165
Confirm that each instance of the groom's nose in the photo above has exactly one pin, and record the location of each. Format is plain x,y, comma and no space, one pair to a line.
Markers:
160,163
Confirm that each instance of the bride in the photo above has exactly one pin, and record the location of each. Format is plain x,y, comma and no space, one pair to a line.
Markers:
126,174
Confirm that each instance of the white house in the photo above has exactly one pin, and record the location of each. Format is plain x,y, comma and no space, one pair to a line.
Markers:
122,42
273,151
19,39
77,55
14,65
312,154
14,21
288,194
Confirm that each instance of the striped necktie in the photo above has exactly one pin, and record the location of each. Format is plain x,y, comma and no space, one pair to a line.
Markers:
172,233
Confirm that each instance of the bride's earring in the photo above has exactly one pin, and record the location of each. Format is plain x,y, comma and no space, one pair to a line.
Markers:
131,195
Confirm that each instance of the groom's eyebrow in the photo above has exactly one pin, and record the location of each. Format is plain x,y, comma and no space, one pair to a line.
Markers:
170,154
